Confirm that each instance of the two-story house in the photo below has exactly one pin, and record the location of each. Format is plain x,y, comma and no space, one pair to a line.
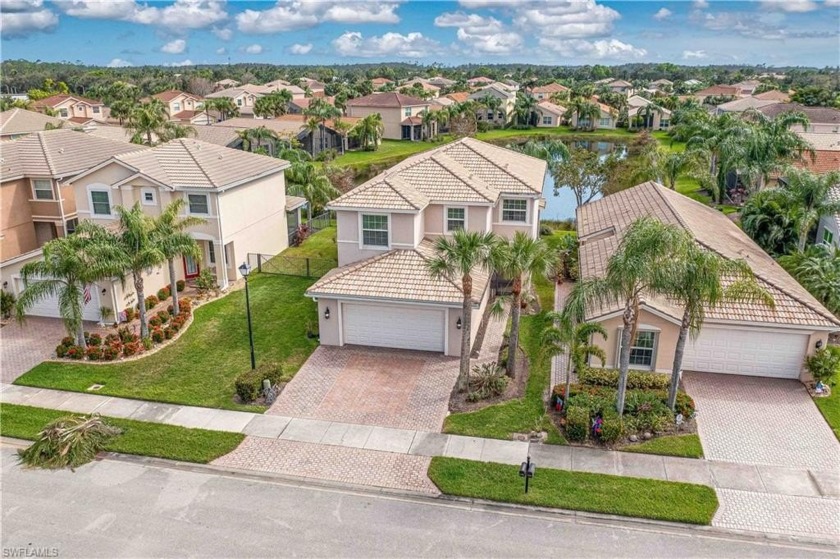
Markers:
74,108
37,203
506,97
402,115
547,91
240,195
180,106
382,294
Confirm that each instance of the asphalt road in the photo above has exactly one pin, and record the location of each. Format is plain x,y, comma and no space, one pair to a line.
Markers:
119,509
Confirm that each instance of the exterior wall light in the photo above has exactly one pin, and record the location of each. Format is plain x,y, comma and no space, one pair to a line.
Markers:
458,324
327,313
819,344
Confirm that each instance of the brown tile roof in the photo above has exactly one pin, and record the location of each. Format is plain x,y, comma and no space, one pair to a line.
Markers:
605,220
55,100
190,163
412,120
550,88
58,154
167,96
774,95
20,121
186,115
825,161
467,170
817,115
386,100
716,90
459,96
381,81
397,275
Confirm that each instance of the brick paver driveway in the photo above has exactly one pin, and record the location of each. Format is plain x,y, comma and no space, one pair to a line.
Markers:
369,386
753,420
22,346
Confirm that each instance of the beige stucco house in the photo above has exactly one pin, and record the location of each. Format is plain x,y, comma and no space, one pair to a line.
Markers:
74,108
241,196
401,114
507,99
548,114
382,293
545,92
736,338
607,118
180,105
654,119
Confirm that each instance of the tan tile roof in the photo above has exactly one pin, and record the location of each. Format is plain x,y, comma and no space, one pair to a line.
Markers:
294,202
822,142
169,95
218,135
467,170
458,96
712,230
718,90
817,115
552,108
774,95
117,133
550,88
55,100
386,100
21,121
58,153
397,275
741,105
190,163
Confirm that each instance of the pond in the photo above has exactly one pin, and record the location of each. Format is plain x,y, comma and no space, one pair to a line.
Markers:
563,205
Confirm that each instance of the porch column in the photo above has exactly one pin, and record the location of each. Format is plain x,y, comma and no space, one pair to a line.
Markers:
221,264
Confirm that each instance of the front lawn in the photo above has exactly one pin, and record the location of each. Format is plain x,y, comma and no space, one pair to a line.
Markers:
501,421
685,446
389,152
138,437
830,408
570,133
599,493
199,368
318,245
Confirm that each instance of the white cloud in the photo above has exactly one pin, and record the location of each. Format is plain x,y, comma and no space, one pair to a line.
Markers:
223,33
476,4
221,50
700,4
570,19
119,63
484,35
297,48
694,54
174,47
253,49
662,14
411,45
790,5
23,23
832,3
183,14
186,62
20,5
287,15
602,49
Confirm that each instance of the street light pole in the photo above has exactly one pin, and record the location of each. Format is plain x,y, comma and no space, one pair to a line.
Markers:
245,270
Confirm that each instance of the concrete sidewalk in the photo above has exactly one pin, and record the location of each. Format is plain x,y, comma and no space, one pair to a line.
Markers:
722,475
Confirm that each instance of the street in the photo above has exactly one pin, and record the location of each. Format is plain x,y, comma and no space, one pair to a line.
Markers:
114,508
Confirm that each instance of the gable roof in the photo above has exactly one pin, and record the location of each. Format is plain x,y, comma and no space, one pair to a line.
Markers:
190,163
391,99
619,83
458,96
817,115
745,103
552,108
55,100
550,88
500,89
602,223
718,90
775,95
466,171
20,121
169,95
58,154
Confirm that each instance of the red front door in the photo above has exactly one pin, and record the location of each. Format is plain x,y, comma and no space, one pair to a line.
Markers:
191,268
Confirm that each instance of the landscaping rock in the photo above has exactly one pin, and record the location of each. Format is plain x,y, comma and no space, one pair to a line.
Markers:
634,439
647,436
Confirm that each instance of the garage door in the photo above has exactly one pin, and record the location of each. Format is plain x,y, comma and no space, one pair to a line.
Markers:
49,306
393,326
746,352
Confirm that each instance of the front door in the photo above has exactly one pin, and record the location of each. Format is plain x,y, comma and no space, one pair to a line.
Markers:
190,267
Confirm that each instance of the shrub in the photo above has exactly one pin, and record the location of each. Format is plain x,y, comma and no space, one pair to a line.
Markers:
577,423
95,339
68,341
824,364
111,352
486,381
7,303
111,338
685,404
635,379
131,348
94,353
75,352
249,384
168,333
151,301
147,343
126,335
130,313
205,282
164,293
180,285
612,427
69,442
482,126
154,322
157,335
61,350
163,316
594,403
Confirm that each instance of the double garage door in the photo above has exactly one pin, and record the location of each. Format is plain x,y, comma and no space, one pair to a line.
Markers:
746,352
49,306
393,326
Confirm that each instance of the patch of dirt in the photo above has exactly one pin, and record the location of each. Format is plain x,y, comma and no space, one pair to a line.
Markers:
261,401
515,389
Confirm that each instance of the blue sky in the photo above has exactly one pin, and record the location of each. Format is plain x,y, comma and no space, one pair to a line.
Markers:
561,32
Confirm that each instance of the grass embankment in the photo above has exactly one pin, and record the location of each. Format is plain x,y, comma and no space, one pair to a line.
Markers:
830,408
685,446
599,493
138,437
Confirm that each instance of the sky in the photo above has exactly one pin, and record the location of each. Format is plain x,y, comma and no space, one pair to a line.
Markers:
554,32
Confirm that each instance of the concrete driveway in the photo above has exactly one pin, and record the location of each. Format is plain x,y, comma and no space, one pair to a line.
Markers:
25,345
371,386
764,421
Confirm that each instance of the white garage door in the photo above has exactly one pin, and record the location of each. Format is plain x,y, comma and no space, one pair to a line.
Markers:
49,306
393,326
746,352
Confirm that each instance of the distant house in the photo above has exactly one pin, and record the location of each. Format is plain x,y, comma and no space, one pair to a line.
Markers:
430,89
656,119
459,96
500,91
620,86
548,114
16,123
546,91
245,96
743,104
826,152
441,82
747,87
294,126
379,83
823,120
401,114
226,83
773,95
67,107
298,106
317,88
717,91
479,81
662,85
606,119
178,102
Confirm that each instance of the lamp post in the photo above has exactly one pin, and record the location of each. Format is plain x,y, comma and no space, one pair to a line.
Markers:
245,270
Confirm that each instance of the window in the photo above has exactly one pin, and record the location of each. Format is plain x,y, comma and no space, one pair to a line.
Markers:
515,210
100,202
828,237
407,111
489,115
375,230
70,225
43,189
148,197
239,102
641,352
455,218
211,248
198,204
176,107
606,122
63,113
96,110
546,120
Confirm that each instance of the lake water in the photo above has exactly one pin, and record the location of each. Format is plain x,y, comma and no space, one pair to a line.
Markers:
563,205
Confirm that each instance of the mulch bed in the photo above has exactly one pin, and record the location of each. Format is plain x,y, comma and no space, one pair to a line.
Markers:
515,389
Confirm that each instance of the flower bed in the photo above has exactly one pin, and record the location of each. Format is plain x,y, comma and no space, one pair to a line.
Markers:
588,415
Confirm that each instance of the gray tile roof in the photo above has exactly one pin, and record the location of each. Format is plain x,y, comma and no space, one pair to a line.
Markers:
20,121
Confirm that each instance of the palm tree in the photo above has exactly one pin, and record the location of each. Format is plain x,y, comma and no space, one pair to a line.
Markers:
428,120
273,104
173,131
323,111
648,113
170,230
584,111
121,109
224,105
147,121
457,258
492,103
643,264
574,340
305,179
550,150
818,270
69,265
518,259
524,108
369,131
343,129
811,193
705,280
772,220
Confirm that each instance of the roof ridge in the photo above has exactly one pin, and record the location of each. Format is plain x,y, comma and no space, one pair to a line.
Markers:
471,146
197,164
463,174
355,266
657,187
46,152
398,190
423,256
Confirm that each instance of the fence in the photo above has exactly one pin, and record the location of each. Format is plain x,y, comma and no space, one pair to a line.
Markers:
317,223
291,265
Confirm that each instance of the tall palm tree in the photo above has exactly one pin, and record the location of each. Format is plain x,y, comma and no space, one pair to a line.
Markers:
306,179
817,268
457,258
68,266
147,121
518,259
121,109
171,232
704,280
343,128
574,340
524,108
811,192
428,120
492,103
550,150
772,220
223,105
262,134
642,264
369,131
273,104
173,131
323,111
584,111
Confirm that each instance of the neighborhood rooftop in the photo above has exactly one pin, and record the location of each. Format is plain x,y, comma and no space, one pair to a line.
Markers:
21,121
386,100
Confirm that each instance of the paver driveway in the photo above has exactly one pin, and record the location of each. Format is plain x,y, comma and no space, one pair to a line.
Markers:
22,346
370,386
753,420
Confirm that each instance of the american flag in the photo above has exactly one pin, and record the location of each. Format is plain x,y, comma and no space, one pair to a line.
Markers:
87,294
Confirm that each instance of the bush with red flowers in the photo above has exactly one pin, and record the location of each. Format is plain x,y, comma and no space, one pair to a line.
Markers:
111,352
157,335
95,339
180,285
132,348
94,353
163,293
75,352
168,333
163,316
68,341
61,350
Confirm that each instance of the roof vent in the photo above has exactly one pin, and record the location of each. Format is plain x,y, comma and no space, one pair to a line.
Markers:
60,150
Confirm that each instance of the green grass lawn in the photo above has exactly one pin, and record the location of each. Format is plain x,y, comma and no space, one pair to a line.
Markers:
389,152
318,245
501,421
138,437
599,493
686,446
620,134
200,367
830,408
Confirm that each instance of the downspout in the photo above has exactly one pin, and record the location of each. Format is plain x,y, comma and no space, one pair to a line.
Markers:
224,254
